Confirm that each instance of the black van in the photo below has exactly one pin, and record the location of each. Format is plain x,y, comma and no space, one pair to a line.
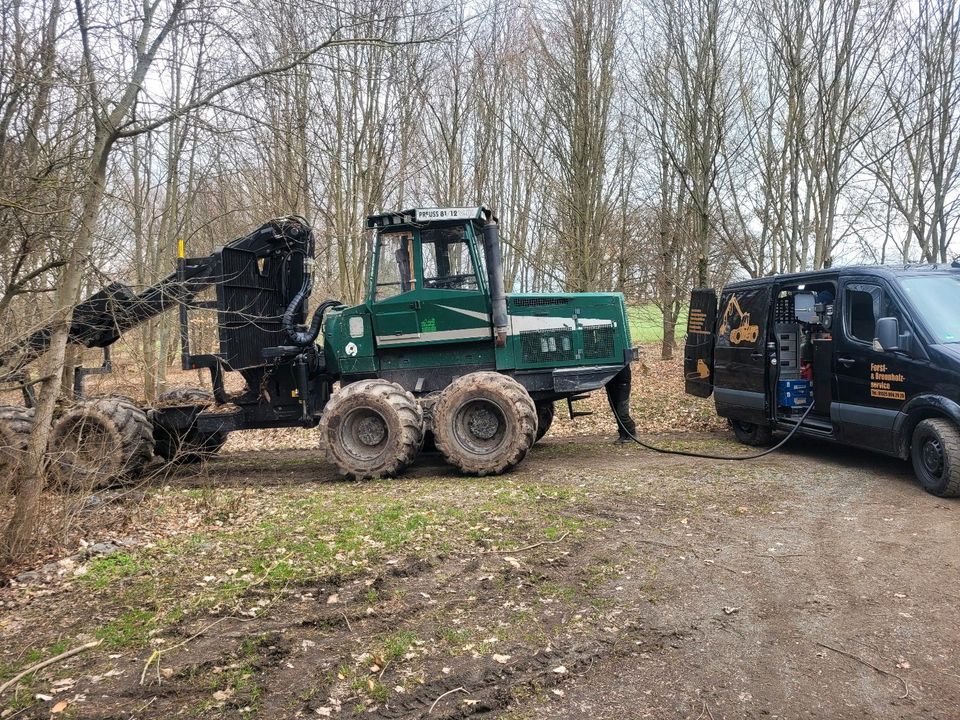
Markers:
875,350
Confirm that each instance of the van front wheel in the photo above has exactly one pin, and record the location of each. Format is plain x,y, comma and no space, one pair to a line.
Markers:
935,452
751,433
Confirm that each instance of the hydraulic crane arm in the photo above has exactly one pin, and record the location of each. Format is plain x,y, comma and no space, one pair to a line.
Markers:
100,320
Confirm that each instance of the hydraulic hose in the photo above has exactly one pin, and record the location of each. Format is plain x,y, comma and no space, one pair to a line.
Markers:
289,327
302,338
705,456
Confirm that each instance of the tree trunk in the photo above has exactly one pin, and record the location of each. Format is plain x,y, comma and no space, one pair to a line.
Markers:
23,524
669,341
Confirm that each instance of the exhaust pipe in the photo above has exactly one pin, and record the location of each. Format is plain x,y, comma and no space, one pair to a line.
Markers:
498,299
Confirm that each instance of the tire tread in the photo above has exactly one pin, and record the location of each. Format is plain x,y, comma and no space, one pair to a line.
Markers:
409,416
525,414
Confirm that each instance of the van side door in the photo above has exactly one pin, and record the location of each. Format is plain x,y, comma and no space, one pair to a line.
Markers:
698,348
872,384
740,363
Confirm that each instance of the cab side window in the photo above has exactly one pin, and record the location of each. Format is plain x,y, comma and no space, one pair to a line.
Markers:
447,263
865,304
395,265
861,320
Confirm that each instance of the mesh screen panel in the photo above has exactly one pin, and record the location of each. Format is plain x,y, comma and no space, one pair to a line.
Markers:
539,346
598,341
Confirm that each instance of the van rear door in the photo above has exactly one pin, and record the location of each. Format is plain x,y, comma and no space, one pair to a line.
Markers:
740,358
698,350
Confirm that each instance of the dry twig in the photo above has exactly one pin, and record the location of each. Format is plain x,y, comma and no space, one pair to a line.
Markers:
448,692
531,547
45,663
906,688
156,654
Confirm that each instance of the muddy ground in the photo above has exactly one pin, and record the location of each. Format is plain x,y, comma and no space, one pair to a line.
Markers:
595,581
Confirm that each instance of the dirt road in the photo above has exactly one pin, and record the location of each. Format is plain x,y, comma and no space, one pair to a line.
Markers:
596,581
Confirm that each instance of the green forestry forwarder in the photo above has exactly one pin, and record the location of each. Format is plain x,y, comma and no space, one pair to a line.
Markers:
436,348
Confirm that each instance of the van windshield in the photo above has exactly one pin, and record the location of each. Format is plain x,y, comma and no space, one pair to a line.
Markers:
936,298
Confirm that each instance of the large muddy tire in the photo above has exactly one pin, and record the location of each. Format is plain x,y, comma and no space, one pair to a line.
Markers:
485,423
372,428
545,412
16,423
191,446
935,453
99,441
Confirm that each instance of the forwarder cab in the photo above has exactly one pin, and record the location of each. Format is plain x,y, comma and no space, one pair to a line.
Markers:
875,351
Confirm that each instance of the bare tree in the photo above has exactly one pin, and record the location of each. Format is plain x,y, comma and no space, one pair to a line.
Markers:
915,156
113,93
580,49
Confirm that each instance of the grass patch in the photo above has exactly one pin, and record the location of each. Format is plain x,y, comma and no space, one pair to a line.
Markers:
104,571
397,645
130,630
646,323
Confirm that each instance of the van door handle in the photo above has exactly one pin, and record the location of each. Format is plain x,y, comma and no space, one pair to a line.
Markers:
757,355
846,362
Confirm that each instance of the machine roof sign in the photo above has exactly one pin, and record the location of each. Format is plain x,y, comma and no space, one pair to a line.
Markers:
453,213
427,215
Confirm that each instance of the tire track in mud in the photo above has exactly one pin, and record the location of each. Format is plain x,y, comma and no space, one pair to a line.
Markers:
293,652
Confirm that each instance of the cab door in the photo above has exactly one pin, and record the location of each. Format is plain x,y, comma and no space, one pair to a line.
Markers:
454,302
393,300
740,363
872,384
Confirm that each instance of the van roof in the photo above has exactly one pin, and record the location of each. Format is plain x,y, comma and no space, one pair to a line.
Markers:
888,271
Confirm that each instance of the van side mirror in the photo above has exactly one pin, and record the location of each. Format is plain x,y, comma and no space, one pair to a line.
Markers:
889,337
888,332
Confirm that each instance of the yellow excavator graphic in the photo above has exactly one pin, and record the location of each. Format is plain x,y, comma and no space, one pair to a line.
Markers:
744,331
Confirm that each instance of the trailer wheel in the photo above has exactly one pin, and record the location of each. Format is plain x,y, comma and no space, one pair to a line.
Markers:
372,428
191,446
935,453
16,423
545,413
751,433
99,441
485,423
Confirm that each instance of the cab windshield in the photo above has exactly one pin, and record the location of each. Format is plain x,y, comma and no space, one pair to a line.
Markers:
936,299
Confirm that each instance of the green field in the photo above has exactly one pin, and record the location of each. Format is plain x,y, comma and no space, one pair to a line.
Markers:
646,323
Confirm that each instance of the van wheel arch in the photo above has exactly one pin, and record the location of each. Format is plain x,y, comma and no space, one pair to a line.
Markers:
932,408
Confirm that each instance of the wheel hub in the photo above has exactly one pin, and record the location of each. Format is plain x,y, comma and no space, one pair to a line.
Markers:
371,430
933,457
483,423
480,426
